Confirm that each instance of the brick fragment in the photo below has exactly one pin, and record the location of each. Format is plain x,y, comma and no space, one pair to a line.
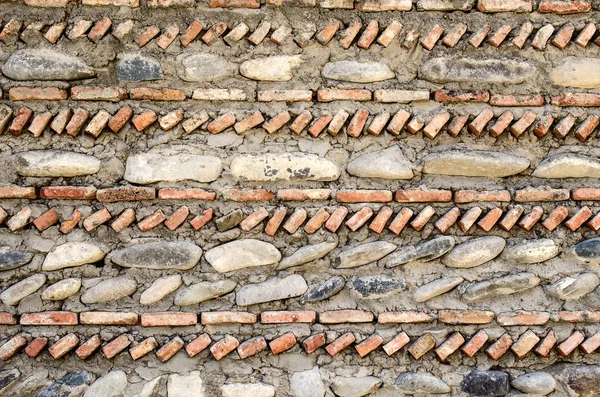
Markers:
277,122
329,95
316,221
168,319
499,347
143,348
421,346
282,343
47,219
20,219
126,218
235,35
345,316
214,32
37,94
326,34
116,346
177,218
447,220
401,220
579,218
529,220
108,318
546,345
301,121
88,347
523,318
524,32
435,125
320,124
570,344
10,33
469,196
7,319
76,122
359,219
336,219
457,124
475,343
591,344
171,348
455,317
479,123
96,219
20,121
12,346
251,347
429,41
390,33
384,214
63,346
156,94
99,29
414,125
397,343
504,6
542,36
35,347
563,37
313,342
586,128
209,318
260,33
349,34
422,218
499,35
295,220
198,345
126,193
368,345
147,36
422,196
340,344
169,35
87,93
511,218
449,346
151,221
275,221
518,128
224,346
398,121
543,126
79,29
594,223
469,218
221,123
122,31
411,37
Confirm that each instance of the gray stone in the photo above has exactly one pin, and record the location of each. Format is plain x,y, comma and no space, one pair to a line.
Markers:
240,254
445,70
355,387
13,259
389,163
160,255
474,252
32,385
499,286
271,290
190,385
375,287
568,165
588,250
474,163
307,384
445,5
486,383
531,251
71,255
323,290
16,292
363,254
570,288
112,384
8,378
357,72
421,383
149,389
230,220
579,72
43,64
109,290
149,168
436,288
424,252
160,288
71,385
247,389
584,380
272,167
536,383
55,163
205,67
307,254
135,67
197,293
62,289
275,68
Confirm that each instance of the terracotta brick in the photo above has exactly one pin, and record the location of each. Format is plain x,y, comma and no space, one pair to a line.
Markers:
389,5
469,196
337,122
249,122
465,316
12,346
35,347
151,221
168,36
143,348
359,218
37,94
76,122
108,318
336,219
518,128
168,350
429,41
295,220
214,32
155,94
349,34
147,36
60,120
210,318
144,120
363,196
562,7
501,124
504,5
171,119
449,346
421,346
587,127
490,219
20,121
125,193
398,121
546,345
576,99
594,223
523,318
586,194
284,96
511,218
7,319
563,37
68,192
499,35
3,216
124,29
475,343
168,319
223,347
326,34
585,35
185,194
170,3
191,33
499,347
10,33
579,218
282,317
453,96
379,222
301,122
378,123
591,344
469,218
329,95
478,36
198,345
236,34
401,220
435,125
282,343
96,219
319,125
313,342
368,345
543,126
345,316
234,3
414,125
422,218
221,123
404,317
49,318
275,221
563,127
251,347
303,194
46,220
529,220
254,219
422,196
452,37
88,347
340,344
477,126
396,344
570,344
177,218
99,29
525,343
541,194
63,346
126,218
116,346
389,34
580,317
368,35
317,220
277,122
12,192
524,32
447,220
555,218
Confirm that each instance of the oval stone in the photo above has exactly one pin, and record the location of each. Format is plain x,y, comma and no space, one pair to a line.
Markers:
579,72
486,383
506,285
355,386
568,165
160,255
424,252
44,64
474,252
421,383
272,167
16,292
135,67
275,68
588,250
149,168
109,290
160,288
72,254
460,69
240,254
307,254
271,290
363,254
55,163
323,290
375,287
389,163
436,288
531,251
13,259
201,292
474,163
357,72
536,383
570,288
62,290
205,67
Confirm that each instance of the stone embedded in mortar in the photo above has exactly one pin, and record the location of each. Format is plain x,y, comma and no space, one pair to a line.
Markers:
502,71
500,286
72,254
536,383
421,383
324,290
474,252
200,292
136,67
357,72
355,386
33,384
271,290
272,167
445,5
569,288
13,259
151,167
160,288
578,72
363,254
307,254
486,383
568,165
109,290
16,292
8,378
150,388
375,287
241,254
307,384
424,252
112,384
247,389
160,255
436,288
55,163
531,251
588,250
474,163
202,67
275,68
584,380
62,289
230,220
389,163
189,385
73,384
44,64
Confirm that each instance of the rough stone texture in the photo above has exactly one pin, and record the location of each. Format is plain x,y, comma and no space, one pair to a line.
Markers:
19,291
160,255
148,168
185,385
241,254
110,385
71,385
443,70
136,67
277,68
568,165
531,251
363,254
160,288
474,252
377,287
355,387
537,383
307,254
501,286
248,389
109,290
490,164
570,288
588,250
62,290
324,290
205,67
55,163
386,164
284,167
423,252
486,383
421,383
436,288
271,290
201,292
44,64
357,72
579,72
71,255
307,384
13,259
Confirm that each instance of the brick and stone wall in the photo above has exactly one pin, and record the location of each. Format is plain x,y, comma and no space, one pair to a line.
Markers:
300,198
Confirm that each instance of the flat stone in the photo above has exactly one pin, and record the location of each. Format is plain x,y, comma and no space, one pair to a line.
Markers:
389,163
271,290
375,287
486,383
474,163
136,67
205,67
536,383
436,288
588,250
502,71
568,165
8,378
149,389
109,290
10,260
531,251
32,385
307,254
72,254
185,385
160,288
569,288
62,289
307,384
584,380
499,286
43,64
355,387
357,72
16,292
197,293
55,163
160,255
112,384
272,167
423,252
230,220
247,389
445,5
421,383
475,252
363,254
324,290
241,254
149,168
578,72
71,385
275,68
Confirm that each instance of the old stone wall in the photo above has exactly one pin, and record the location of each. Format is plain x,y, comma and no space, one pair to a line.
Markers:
300,198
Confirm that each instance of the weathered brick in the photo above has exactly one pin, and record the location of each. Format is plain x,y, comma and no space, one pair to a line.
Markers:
576,99
20,121
171,119
99,30
478,36
12,346
469,218
126,218
345,316
221,123
214,32
46,220
499,35
594,223
453,96
234,3
401,96
422,218
303,194
499,347
295,220
209,318
170,3
168,319
563,7
570,344
254,219
501,124
546,345
169,35
337,122
359,219
320,124
275,221
7,319
236,34
490,219
37,94
223,347
591,344
421,346
587,127
469,196
404,317
60,120
326,34
511,218
282,317
475,343
523,318
123,29
368,345
452,37
313,342
148,34
284,96
580,316
378,123
89,347
422,196
579,218
192,31
143,348
334,94
68,192
364,196
282,343
252,347
87,93
435,125
465,316
429,41
555,218
525,343
401,220
277,122
63,346
585,35
369,34
316,221
563,37
385,5
171,348
350,33
301,122
116,346
14,192
398,121
108,318
449,346
336,219
504,5
414,125
379,222
524,32
156,94
457,124
477,126
248,195
151,221
397,343
35,347
96,219
340,344
10,33
185,194
126,193
518,128
198,345
49,318
389,34
447,220
529,220
76,122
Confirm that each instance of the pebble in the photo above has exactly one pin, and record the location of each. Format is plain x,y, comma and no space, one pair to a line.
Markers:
389,163
62,289
579,72
357,72
10,260
247,389
152,167
474,252
307,384
160,255
275,68
185,385
197,293
569,288
44,64
203,67
8,378
421,383
271,290
71,255
323,290
486,383
376,287
588,250
271,167
135,67
241,254
500,286
536,383
363,254
307,254
568,165
501,71
424,252
474,163
531,251
160,288
55,163
71,385
112,384
16,292
354,386
109,290
436,288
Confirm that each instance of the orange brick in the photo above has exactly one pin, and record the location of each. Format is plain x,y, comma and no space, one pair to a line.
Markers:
555,218
368,345
453,96
37,94
543,349
336,219
60,120
421,346
404,317
594,223
210,318
96,219
349,34
198,345
477,126
525,343
541,194
221,123
529,220
585,35
591,344
562,7
295,220
518,128
99,29
35,347
501,124
384,214
68,192
499,347
10,192
125,219
579,218
144,120
429,41
390,33
88,347
578,317
313,342
253,219
469,218
499,35
167,351
516,100
587,127
7,319
475,343
511,217
151,221
49,318
303,194
369,35
277,122
359,219
67,225
301,121
320,124
435,125
275,221
401,220
543,126
340,344
586,194
249,122
490,219
46,220
449,346
148,34
155,94
452,37
327,33
422,196
285,96
252,347
396,344
523,318
185,194
455,317
224,347
570,344
190,33
469,196
345,316
378,123
214,32
282,317
168,319
576,99
283,343
11,347
76,122
364,196
447,220
414,125
143,348
563,127
329,95
20,121
63,346
116,346
422,218
170,33
316,221
398,121
177,218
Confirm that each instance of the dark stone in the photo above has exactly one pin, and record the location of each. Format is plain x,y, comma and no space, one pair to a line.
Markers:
8,378
324,290
378,286
486,383
138,68
72,384
13,259
585,380
230,220
425,251
589,250
160,255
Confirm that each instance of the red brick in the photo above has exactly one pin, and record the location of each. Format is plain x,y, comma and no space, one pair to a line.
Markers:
277,122
591,344
221,123
214,32
396,344
49,318
453,96
447,220
383,215
69,224
422,196
20,121
177,218
126,218
477,126
452,37
449,346
13,192
148,34
37,94
469,218
285,96
499,347
282,343
555,218
345,316
88,347
96,219
511,217
368,35
328,95
144,120
401,220
594,223
570,344
251,347
563,37
7,319
501,124
586,194
275,221
368,345
190,33
295,220
529,220
336,219
580,317
585,35
254,219
155,94
210,318
125,193
523,34
499,35
563,7
68,192
504,5
404,317
185,194
475,343
63,346
587,127
320,124
249,122
421,346
563,127
469,196
398,121
116,346
490,219
316,221
35,347
525,343
282,317
87,93
576,99
108,318
301,121
465,316
313,342
378,123
76,122
422,218
12,346
327,33
429,41
518,128
523,318
340,344
414,125
143,348
579,218
543,349
390,33
303,194
435,125
170,33
234,3
99,29
543,126
167,351
46,220
359,219
224,347
364,196
168,319
198,345
151,221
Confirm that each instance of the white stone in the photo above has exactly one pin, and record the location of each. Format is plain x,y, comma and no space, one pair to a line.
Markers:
307,384
436,288
363,254
240,254
272,167
531,251
160,288
307,254
357,72
55,163
389,163
421,383
247,390
536,383
72,254
578,72
109,290
355,387
474,252
16,292
112,384
271,290
185,385
568,165
461,69
62,289
149,168
570,288
45,64
474,163
275,68
200,292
